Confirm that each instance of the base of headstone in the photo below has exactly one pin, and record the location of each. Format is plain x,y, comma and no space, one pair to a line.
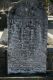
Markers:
24,78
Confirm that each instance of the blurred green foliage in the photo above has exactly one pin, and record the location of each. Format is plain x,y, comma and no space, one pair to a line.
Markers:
51,1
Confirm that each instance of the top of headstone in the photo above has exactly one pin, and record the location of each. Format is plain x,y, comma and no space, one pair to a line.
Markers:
25,8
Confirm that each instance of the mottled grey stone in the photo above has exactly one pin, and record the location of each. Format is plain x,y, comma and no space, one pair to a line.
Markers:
27,41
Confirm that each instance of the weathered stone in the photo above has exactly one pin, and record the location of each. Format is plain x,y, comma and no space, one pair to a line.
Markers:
27,41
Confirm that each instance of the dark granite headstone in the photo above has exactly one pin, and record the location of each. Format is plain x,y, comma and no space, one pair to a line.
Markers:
27,41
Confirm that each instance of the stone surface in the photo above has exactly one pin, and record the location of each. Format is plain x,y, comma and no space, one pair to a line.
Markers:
27,41
24,78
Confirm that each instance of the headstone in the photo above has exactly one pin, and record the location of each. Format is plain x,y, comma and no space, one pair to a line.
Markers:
27,37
